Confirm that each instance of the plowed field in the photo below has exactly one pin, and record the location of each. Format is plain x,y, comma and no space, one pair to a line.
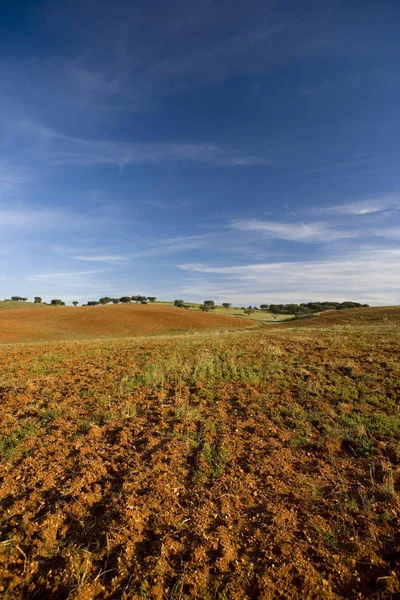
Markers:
250,464
63,323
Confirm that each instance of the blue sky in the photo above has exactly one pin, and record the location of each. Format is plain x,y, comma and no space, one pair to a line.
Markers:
244,151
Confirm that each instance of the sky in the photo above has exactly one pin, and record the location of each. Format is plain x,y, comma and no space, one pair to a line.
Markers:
245,151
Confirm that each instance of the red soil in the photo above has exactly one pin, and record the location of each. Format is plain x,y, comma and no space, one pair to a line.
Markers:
61,323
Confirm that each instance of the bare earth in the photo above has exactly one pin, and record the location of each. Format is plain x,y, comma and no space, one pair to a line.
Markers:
258,463
66,323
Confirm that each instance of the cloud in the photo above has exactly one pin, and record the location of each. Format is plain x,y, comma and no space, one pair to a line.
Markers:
158,248
65,150
310,233
27,217
71,284
176,245
42,144
252,49
64,275
167,205
12,181
8,179
366,207
354,276
110,258
392,233
34,219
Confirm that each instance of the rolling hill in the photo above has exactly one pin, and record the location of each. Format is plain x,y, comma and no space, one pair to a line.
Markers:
376,316
69,323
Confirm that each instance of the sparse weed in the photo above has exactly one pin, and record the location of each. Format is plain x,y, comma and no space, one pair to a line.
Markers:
216,458
9,444
317,492
299,441
49,415
185,412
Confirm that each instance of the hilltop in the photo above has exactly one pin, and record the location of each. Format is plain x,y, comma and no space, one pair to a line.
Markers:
11,304
377,316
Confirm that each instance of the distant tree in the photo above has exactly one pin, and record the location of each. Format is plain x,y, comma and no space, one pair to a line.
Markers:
93,303
179,303
18,299
209,303
151,298
205,307
135,298
105,300
348,305
37,300
142,299
125,299
249,310
75,303
57,302
264,306
226,304
115,300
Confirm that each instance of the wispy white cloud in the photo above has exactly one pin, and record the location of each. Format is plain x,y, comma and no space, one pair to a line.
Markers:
55,148
158,248
357,276
74,151
28,217
70,285
134,55
35,218
391,233
13,179
169,246
107,258
9,180
297,232
364,207
167,205
64,275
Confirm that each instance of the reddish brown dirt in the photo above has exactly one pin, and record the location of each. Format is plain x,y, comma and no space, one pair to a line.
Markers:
252,465
58,323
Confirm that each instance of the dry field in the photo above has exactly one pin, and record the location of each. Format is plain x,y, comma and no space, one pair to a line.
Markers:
257,315
69,323
249,464
11,304
382,318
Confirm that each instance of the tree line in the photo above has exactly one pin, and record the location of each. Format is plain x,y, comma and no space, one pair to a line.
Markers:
36,300
122,300
298,310
306,308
